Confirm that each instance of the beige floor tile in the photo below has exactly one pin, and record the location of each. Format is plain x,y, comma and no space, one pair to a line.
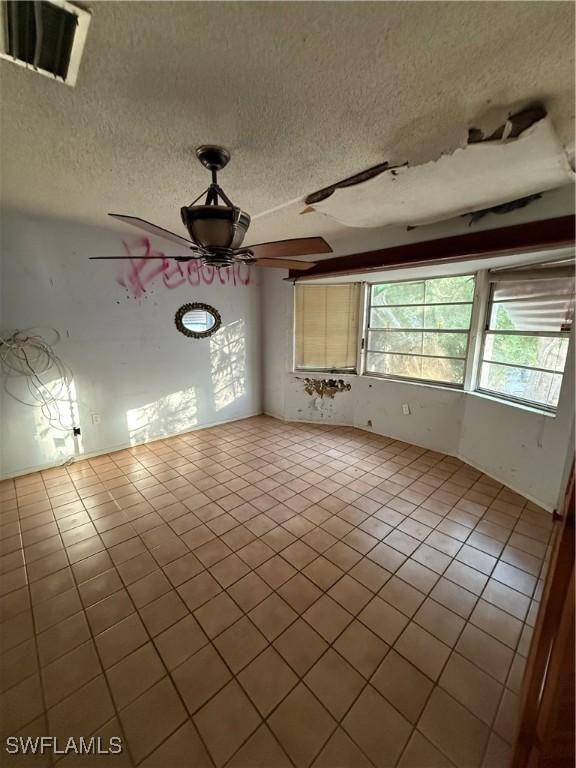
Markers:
17,664
83,712
361,647
260,751
134,674
184,747
180,641
183,568
239,644
63,637
50,612
162,612
335,683
401,595
62,677
267,680
466,577
299,592
454,730
226,721
272,616
149,588
404,686
217,614
99,587
120,640
423,650
276,571
420,753
300,646
301,725
377,728
327,618
351,595
109,611
473,688
485,652
441,622
199,590
249,591
152,717
342,752
418,576
20,705
200,677
370,574
497,623
506,721
455,598
383,619
498,753
507,599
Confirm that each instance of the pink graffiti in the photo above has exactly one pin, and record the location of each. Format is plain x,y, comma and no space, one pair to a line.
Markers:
142,270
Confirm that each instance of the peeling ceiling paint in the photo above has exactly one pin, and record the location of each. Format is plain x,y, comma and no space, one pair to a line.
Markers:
302,94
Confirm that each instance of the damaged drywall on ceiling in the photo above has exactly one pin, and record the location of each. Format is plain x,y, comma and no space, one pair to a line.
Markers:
500,163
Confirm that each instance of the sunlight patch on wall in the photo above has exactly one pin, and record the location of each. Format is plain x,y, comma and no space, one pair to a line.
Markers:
228,364
168,415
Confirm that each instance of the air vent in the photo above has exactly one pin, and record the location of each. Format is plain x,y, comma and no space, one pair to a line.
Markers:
47,36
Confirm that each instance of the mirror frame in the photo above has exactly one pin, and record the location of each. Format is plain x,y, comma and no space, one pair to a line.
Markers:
179,320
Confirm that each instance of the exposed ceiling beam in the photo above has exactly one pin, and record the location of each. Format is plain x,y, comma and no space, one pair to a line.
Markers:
534,236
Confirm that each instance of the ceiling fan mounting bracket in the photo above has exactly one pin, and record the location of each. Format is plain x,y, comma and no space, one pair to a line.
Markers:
212,157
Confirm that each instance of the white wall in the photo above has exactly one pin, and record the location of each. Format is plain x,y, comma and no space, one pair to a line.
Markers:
524,449
131,366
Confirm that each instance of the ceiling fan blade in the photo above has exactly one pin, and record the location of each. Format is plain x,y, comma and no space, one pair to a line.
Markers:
299,246
152,229
283,263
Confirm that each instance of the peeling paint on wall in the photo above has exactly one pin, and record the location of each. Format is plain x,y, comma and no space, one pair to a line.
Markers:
325,387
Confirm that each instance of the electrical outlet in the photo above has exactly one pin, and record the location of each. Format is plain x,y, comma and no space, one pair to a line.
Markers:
406,409
96,418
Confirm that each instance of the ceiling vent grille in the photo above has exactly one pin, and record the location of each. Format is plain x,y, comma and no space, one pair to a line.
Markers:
46,36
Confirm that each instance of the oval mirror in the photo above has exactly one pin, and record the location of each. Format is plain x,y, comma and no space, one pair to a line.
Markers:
197,320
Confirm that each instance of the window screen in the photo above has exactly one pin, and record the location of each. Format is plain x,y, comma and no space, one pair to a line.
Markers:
526,339
419,329
326,326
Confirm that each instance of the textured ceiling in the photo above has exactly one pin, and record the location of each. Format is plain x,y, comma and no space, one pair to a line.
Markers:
302,93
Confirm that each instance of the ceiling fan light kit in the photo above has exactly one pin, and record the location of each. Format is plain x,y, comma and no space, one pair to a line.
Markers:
217,228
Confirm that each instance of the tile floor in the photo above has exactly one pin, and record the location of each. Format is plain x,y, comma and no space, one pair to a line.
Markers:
269,594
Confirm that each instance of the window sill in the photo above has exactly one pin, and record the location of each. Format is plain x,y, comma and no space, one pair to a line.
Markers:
322,372
514,404
414,382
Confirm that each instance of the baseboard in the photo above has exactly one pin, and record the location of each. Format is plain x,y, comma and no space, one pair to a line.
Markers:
123,447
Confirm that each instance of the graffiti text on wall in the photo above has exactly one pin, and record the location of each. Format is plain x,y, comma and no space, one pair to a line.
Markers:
141,271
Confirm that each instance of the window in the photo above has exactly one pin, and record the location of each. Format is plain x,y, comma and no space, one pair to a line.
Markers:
526,338
419,329
326,327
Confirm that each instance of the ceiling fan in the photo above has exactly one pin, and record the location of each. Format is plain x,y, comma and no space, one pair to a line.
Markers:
217,229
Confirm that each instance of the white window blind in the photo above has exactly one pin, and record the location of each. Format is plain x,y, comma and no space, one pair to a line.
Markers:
326,326
526,338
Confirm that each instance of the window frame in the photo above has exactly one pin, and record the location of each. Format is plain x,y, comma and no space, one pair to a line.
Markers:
415,379
486,331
